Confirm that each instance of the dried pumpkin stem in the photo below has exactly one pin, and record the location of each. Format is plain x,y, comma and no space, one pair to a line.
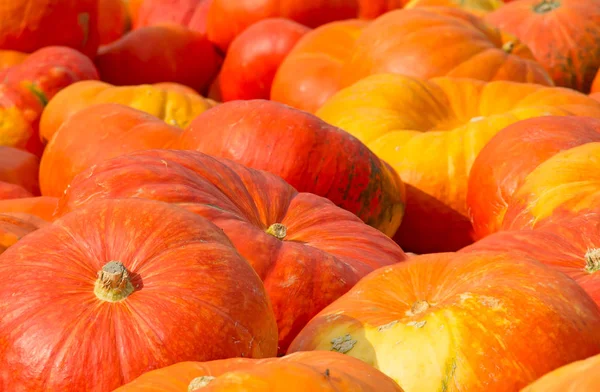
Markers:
419,307
199,382
113,283
277,230
546,6
592,260
508,46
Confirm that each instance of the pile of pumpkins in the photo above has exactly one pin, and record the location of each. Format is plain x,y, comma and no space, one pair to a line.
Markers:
300,195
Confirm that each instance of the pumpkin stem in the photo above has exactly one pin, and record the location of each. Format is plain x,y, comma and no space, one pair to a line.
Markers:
508,46
199,382
592,260
419,307
546,6
277,230
113,283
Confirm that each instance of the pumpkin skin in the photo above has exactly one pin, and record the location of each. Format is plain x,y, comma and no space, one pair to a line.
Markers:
12,191
285,141
566,184
113,20
503,164
254,57
433,154
171,102
40,206
176,53
29,25
568,49
228,18
569,245
88,137
410,48
476,7
307,251
187,295
20,167
8,58
188,13
14,227
578,376
312,71
318,371
462,320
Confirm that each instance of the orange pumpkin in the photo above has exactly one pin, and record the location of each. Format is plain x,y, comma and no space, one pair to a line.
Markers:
503,164
476,7
40,206
315,371
171,102
94,134
19,167
434,153
566,184
307,251
124,287
31,25
578,376
176,54
311,72
568,47
13,227
460,321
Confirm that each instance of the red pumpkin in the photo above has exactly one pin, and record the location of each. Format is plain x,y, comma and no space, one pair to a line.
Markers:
308,153
254,57
96,133
187,13
19,167
123,287
315,371
176,54
503,164
480,321
307,251
568,46
29,25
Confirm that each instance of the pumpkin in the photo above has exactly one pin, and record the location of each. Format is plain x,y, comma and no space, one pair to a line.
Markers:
8,58
311,72
40,206
571,245
113,20
503,164
476,7
176,53
27,27
566,184
254,56
567,49
228,18
308,153
578,376
12,191
433,154
460,322
13,227
188,13
317,371
123,287
428,42
27,87
171,102
94,134
307,251
19,167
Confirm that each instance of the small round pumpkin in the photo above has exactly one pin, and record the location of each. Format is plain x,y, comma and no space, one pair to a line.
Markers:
315,371
123,287
460,321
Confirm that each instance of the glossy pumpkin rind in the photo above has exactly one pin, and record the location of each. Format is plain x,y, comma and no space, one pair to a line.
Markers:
183,270
466,322
308,153
318,371
433,154
307,251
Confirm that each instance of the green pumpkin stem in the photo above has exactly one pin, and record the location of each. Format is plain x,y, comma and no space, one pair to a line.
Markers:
113,283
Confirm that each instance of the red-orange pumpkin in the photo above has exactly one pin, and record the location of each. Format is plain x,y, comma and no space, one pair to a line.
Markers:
314,371
308,153
503,164
562,34
96,133
122,287
254,57
307,251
